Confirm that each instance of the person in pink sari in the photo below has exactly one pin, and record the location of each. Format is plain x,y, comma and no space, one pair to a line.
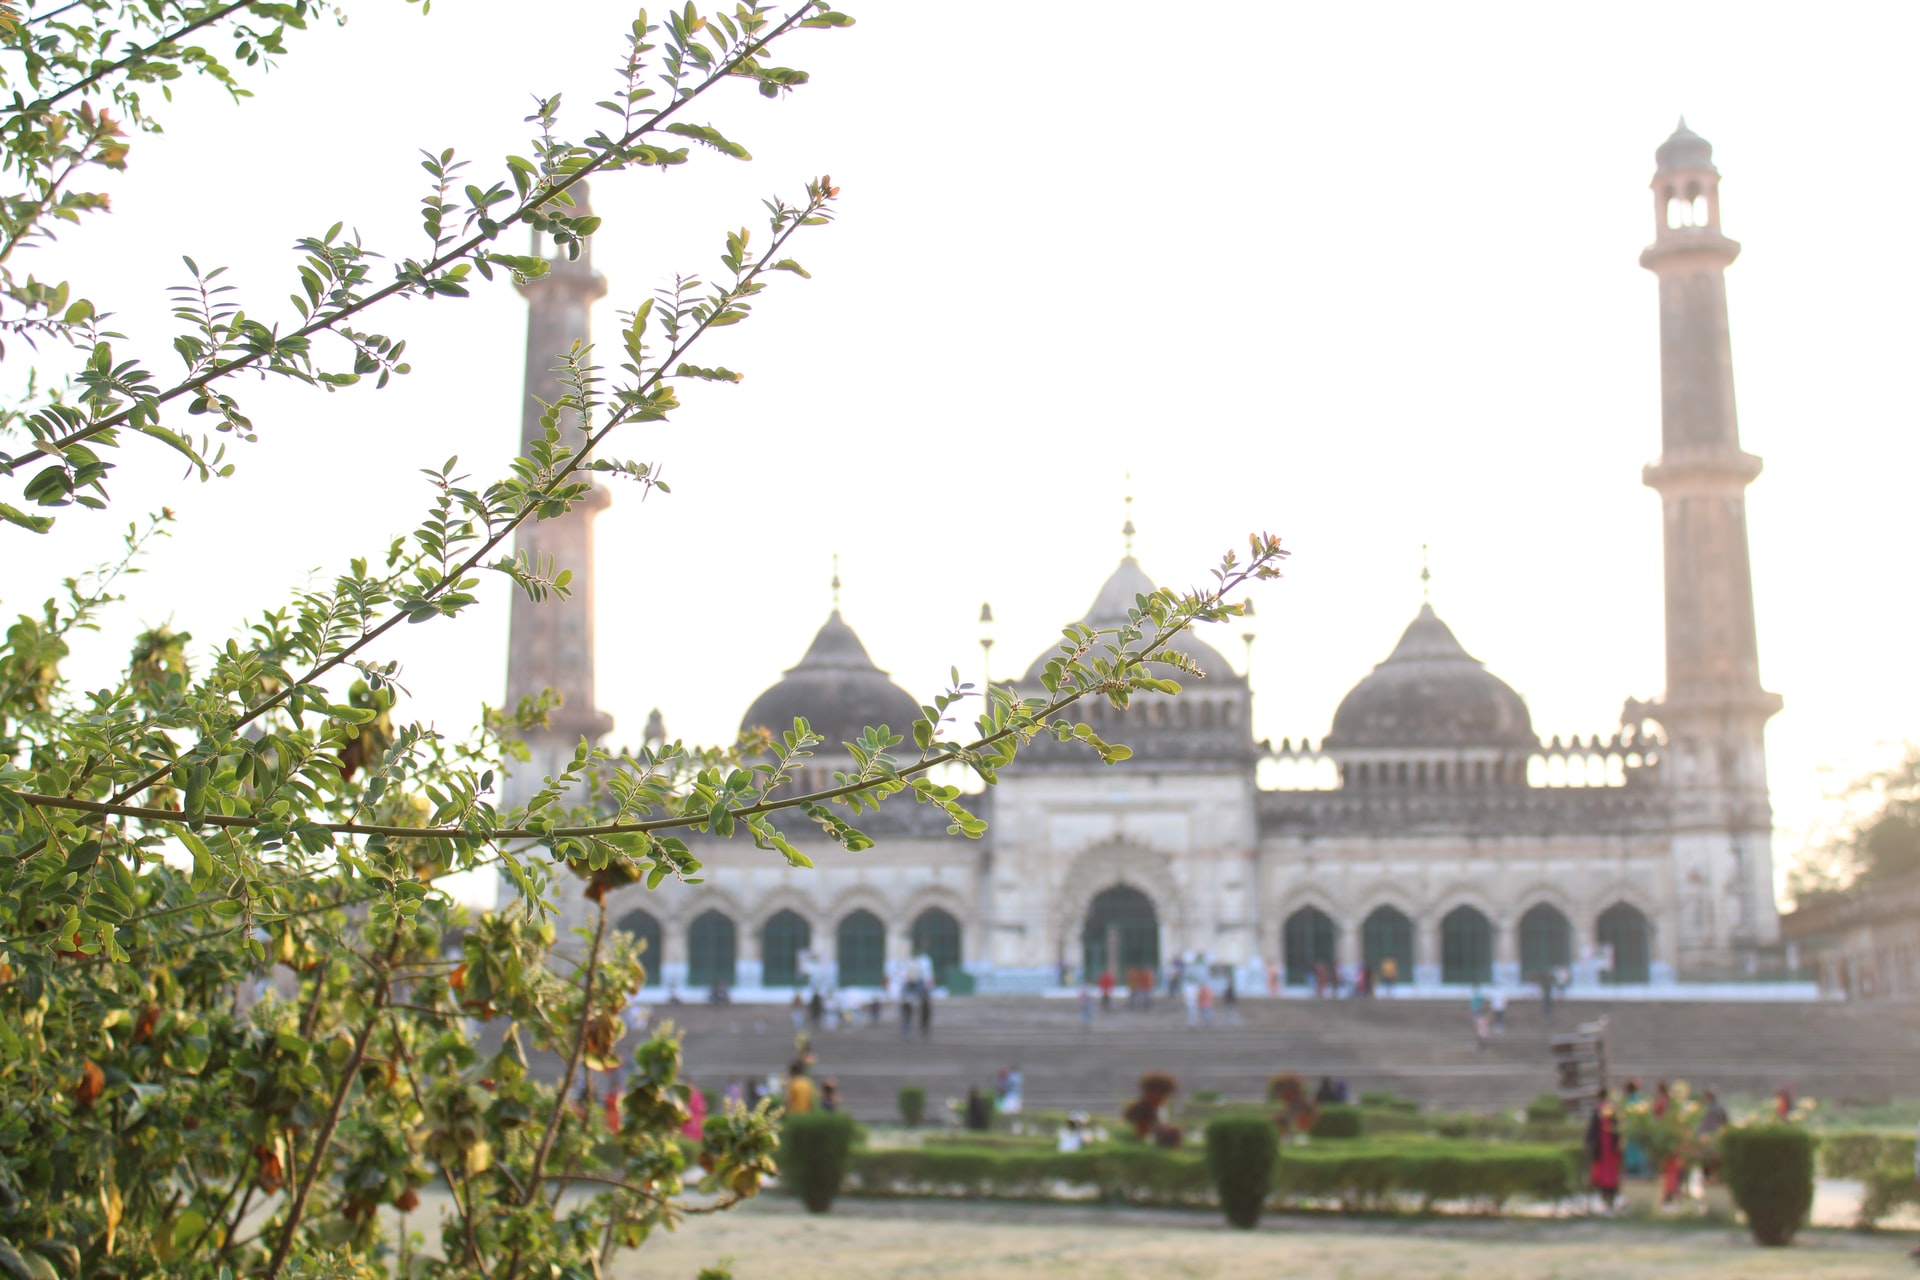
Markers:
696,1114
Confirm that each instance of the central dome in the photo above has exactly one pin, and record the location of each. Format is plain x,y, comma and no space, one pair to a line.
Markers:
1110,610
1430,692
837,688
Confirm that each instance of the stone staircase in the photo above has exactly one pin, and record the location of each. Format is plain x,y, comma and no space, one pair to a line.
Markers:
1418,1049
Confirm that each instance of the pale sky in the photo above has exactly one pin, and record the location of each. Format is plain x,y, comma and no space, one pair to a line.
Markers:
1362,275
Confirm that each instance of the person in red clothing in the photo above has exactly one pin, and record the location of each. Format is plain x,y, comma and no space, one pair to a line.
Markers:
1106,991
1603,1149
1670,1168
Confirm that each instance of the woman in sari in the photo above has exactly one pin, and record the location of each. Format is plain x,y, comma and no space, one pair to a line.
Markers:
1603,1149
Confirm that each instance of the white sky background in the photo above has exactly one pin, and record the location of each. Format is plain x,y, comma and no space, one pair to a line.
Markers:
1364,276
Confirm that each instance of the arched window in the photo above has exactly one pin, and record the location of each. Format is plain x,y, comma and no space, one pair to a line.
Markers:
1466,947
782,939
1122,933
1388,932
710,950
1623,927
1307,941
642,925
1546,942
861,950
936,934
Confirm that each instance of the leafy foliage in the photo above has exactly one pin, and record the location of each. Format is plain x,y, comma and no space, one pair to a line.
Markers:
1336,1120
1769,1169
1240,1156
1877,840
913,1105
238,1013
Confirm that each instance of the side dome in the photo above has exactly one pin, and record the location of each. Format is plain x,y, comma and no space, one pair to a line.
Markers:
837,688
1430,692
1110,610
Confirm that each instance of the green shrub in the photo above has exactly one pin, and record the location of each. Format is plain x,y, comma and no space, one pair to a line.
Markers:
1336,1120
1856,1153
1352,1174
1769,1169
1378,1120
1887,1187
1547,1108
1385,1101
913,1105
813,1156
1240,1156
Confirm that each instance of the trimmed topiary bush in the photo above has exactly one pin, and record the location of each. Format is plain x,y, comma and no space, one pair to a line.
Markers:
813,1156
1240,1159
1769,1169
1336,1120
913,1105
1547,1108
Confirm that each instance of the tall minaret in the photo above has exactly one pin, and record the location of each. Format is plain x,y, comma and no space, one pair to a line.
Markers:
1715,711
550,645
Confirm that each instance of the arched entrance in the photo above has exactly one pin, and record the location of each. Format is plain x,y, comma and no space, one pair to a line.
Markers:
644,926
1623,927
1122,933
861,950
1466,947
936,935
1307,941
782,939
710,950
1546,942
1388,933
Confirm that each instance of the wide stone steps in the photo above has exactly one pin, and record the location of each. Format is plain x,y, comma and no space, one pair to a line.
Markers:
1419,1049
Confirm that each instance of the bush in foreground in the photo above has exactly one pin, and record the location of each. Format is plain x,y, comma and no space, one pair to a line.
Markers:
1240,1156
813,1156
913,1105
1336,1120
1769,1169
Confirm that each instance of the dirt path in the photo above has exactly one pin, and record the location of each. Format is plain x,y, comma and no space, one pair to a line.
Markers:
770,1239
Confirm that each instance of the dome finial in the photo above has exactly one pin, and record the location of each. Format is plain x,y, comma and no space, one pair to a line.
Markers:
1426,575
836,582
1126,530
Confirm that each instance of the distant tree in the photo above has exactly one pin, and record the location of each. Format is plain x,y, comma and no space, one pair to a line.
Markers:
168,840
1878,840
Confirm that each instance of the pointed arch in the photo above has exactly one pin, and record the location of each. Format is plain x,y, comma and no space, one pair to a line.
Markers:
1546,941
783,937
1387,933
712,950
936,935
1308,940
1466,946
1625,928
860,949
645,926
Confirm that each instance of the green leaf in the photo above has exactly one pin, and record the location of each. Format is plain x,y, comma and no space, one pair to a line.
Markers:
35,524
712,137
788,264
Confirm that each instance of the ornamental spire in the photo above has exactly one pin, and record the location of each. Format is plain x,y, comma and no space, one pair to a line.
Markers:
836,582
1127,530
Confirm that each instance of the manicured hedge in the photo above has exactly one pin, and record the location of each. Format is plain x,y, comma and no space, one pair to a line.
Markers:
1769,1169
1352,1174
1887,1188
814,1151
1240,1156
1337,1120
913,1105
1855,1153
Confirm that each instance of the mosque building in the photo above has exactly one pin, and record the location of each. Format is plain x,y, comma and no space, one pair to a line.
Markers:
1431,825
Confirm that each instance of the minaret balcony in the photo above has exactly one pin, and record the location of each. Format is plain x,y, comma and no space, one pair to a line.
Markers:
1701,472
1678,244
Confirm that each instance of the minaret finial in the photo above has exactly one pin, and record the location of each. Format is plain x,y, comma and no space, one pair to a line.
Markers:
1426,576
836,582
1126,530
